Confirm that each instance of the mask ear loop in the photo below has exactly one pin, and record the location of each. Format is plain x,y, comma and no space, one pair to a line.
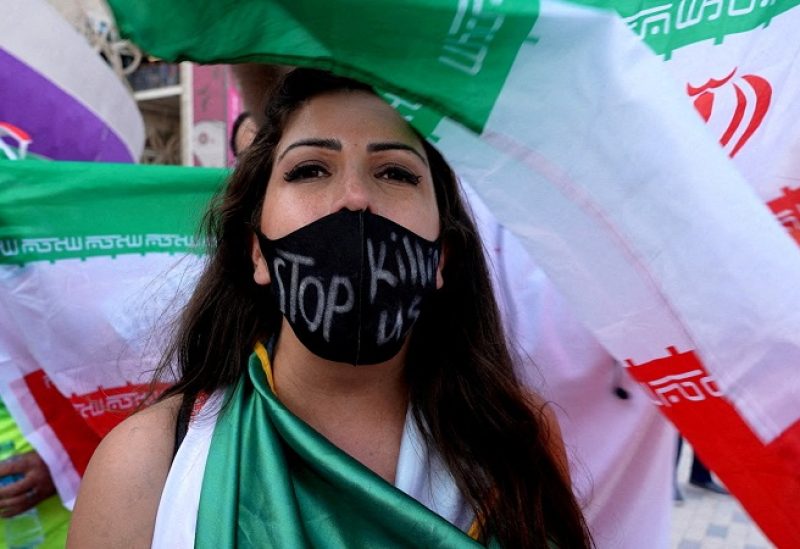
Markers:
269,343
260,237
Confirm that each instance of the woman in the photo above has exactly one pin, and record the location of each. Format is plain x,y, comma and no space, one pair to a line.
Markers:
343,245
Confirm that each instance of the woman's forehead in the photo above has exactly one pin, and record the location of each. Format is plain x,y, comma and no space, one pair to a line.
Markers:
347,113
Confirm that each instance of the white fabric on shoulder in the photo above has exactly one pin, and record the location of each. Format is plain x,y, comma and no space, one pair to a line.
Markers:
176,519
422,474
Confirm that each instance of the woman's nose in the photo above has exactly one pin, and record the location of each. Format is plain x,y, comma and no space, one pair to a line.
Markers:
353,193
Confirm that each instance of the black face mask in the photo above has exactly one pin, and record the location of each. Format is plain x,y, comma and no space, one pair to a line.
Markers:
351,284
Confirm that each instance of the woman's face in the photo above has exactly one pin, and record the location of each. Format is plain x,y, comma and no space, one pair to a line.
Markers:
350,150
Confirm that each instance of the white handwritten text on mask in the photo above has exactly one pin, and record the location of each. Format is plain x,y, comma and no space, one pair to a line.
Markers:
319,302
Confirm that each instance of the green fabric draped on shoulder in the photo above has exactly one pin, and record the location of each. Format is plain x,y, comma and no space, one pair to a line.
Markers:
272,481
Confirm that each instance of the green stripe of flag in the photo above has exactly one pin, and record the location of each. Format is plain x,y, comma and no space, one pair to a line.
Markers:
668,25
370,35
61,210
451,55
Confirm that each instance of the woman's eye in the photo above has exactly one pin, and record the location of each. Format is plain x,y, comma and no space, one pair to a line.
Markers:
305,171
396,173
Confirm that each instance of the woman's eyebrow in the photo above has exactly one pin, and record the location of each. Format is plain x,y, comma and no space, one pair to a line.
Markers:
332,144
393,145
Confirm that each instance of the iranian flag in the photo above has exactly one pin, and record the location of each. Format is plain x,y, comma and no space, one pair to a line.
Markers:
93,260
641,151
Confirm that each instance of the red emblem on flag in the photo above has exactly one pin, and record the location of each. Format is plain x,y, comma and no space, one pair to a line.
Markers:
740,103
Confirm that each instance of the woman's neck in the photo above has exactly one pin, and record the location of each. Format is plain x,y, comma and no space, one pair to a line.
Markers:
360,409
297,369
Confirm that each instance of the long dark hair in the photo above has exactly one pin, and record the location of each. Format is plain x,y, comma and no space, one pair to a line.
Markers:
466,398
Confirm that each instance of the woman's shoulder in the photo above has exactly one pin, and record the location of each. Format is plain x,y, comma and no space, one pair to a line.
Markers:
121,489
147,437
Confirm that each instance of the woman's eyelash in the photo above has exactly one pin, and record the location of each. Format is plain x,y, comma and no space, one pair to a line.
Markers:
314,171
305,171
396,173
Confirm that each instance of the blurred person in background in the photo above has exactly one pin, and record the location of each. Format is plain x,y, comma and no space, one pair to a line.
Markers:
31,511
